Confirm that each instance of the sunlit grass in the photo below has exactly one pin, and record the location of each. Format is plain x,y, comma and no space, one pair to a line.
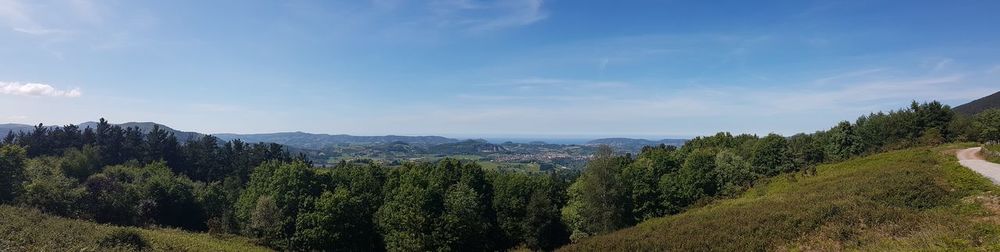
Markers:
918,199
29,230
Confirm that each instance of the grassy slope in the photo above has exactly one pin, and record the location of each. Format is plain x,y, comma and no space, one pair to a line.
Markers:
992,148
918,199
29,230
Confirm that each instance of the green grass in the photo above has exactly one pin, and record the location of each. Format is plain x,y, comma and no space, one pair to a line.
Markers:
29,230
991,152
918,199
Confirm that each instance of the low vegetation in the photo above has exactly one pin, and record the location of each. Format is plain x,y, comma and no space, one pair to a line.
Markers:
917,199
30,230
991,152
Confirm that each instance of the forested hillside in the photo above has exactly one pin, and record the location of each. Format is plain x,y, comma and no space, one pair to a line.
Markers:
979,105
128,177
912,200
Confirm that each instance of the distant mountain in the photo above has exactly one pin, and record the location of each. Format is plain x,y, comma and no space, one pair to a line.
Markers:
147,126
319,141
634,145
144,126
14,128
973,107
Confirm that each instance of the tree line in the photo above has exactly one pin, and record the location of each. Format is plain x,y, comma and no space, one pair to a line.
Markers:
131,177
617,191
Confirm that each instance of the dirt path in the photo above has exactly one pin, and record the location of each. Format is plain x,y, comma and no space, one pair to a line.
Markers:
970,158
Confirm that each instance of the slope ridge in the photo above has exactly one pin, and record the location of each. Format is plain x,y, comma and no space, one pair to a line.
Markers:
904,200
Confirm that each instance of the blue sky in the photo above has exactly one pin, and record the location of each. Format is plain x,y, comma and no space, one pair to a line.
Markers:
490,68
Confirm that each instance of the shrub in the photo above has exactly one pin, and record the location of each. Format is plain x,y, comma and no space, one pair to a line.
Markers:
124,239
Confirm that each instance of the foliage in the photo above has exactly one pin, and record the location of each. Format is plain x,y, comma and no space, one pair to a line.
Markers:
988,125
135,177
49,190
123,239
133,195
899,201
437,207
12,159
599,199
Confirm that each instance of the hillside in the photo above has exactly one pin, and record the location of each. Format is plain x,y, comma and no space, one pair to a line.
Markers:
918,199
318,141
29,230
13,127
973,107
467,147
144,126
634,145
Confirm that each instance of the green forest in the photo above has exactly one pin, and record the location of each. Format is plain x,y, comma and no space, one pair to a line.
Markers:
128,177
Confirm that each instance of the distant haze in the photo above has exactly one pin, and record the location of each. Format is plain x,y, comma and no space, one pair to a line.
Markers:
490,67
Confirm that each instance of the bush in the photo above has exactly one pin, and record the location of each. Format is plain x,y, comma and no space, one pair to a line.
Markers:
124,239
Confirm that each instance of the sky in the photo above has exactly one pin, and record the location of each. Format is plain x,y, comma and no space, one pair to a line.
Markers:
473,68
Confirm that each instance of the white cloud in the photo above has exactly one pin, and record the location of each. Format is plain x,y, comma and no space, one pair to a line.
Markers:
36,89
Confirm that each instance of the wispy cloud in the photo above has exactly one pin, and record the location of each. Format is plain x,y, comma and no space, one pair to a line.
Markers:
848,75
715,108
994,70
938,64
480,16
537,82
34,17
36,89
15,16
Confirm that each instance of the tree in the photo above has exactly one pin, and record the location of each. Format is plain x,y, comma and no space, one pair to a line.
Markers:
290,186
463,223
543,228
643,177
988,125
141,195
599,202
735,174
12,160
48,190
265,221
843,142
81,163
770,156
696,179
332,224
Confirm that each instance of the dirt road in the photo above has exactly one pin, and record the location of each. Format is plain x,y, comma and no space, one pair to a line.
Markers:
970,158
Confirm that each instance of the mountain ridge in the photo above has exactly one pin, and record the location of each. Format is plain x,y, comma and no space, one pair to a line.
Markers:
316,141
978,105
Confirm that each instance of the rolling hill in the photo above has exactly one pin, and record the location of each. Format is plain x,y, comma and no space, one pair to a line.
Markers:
634,145
973,107
13,127
299,140
144,126
911,200
318,141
